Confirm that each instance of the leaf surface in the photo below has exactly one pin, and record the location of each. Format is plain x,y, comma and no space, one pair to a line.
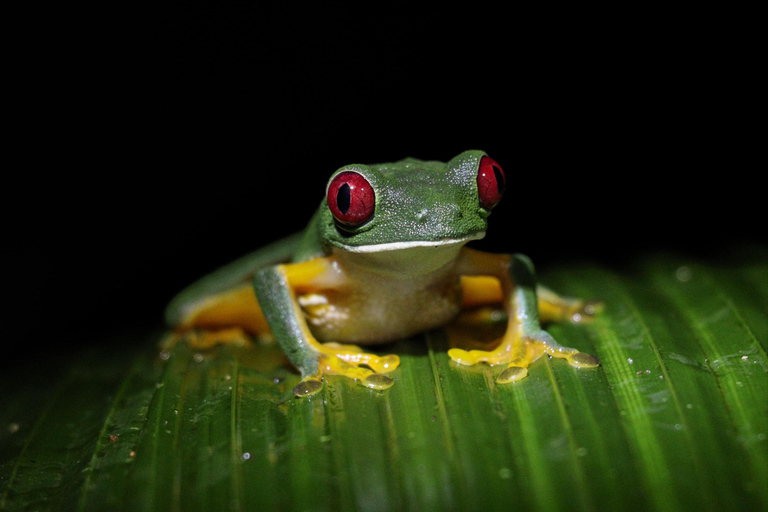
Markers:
676,418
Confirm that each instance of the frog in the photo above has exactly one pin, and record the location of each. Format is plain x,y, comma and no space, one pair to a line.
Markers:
383,258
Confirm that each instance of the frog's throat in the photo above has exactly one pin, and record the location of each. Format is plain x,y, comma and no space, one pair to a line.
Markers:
402,261
397,246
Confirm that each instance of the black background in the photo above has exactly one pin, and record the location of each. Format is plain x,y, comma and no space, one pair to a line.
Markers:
150,144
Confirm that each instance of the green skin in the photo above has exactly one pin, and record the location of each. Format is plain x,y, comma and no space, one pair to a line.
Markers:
418,205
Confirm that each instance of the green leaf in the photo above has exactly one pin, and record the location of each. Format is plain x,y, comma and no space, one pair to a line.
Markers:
676,418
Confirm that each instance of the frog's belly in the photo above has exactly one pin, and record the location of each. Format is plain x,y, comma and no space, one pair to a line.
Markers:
383,313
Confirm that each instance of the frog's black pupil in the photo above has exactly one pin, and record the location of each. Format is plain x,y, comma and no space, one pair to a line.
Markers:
499,180
342,198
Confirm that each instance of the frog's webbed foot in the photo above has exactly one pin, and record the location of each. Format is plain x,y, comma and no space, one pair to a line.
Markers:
203,339
330,365
520,352
348,361
354,355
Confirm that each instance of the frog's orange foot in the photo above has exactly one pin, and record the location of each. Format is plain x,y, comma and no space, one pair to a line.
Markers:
354,369
519,369
206,339
383,364
473,357
519,353
354,355
332,365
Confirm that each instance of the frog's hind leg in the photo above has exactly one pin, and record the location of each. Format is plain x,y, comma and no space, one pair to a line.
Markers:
201,339
483,292
221,308
229,317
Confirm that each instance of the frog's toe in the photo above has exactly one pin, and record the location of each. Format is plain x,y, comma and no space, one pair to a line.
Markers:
384,364
583,360
308,387
378,382
354,349
333,365
472,357
461,356
353,355
512,374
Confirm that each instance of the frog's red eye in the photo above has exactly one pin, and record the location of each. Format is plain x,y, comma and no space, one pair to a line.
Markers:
351,198
490,182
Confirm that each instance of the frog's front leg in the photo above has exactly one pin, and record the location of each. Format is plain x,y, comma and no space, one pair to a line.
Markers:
524,340
277,289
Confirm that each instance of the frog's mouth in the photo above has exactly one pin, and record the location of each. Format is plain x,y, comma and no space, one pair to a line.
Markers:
404,260
397,246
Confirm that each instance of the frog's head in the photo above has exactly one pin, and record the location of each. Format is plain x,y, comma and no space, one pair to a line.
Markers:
411,203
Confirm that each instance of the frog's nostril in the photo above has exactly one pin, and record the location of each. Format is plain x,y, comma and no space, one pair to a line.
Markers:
454,211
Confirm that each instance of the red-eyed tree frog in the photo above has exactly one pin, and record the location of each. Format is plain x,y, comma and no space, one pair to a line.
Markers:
383,258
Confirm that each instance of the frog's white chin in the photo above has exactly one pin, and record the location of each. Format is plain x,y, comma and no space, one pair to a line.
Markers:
396,246
404,260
